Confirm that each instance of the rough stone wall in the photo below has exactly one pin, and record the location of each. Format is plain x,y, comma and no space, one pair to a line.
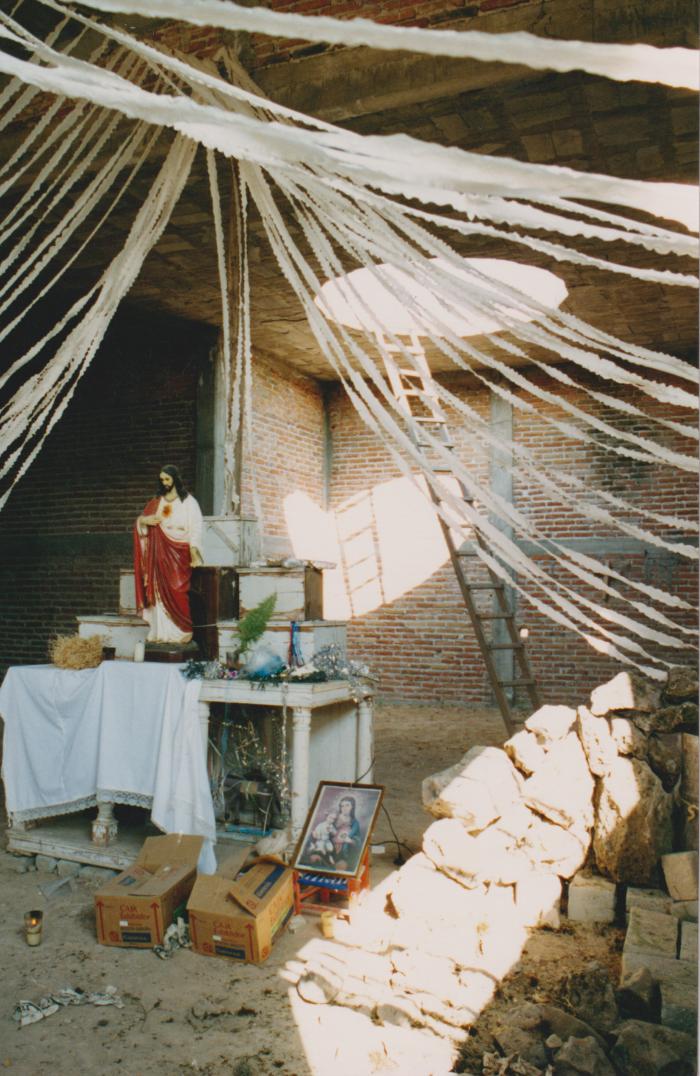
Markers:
421,644
66,527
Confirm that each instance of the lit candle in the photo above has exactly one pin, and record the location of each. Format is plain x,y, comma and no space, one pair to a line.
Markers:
33,922
139,651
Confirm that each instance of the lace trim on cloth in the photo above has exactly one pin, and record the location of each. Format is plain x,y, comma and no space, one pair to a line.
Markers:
131,799
108,795
50,811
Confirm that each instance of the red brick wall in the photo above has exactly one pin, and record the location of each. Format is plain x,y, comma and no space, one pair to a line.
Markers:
66,526
421,644
287,443
439,14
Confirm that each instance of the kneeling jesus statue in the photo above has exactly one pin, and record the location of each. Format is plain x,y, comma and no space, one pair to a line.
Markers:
167,545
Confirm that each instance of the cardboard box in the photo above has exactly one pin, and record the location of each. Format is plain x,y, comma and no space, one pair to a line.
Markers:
137,907
240,919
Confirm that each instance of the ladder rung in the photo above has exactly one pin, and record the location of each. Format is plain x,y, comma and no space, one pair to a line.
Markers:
517,683
495,616
505,646
486,586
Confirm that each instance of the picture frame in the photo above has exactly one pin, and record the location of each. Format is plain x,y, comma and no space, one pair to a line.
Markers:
338,828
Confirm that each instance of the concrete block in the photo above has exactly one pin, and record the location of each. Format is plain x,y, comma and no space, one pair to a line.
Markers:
97,874
685,909
652,932
678,981
679,998
646,1048
22,864
652,900
681,874
591,899
46,863
689,941
677,975
639,997
66,868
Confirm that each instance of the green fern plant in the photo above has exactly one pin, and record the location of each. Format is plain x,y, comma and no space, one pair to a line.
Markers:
253,625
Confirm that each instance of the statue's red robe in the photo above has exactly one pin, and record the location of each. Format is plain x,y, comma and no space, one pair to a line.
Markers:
162,571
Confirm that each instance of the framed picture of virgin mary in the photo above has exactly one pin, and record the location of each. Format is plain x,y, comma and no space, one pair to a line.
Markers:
338,828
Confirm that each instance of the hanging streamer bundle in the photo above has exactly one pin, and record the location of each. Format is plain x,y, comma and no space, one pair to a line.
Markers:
368,202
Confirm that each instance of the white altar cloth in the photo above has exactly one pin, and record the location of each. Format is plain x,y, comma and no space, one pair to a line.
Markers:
121,733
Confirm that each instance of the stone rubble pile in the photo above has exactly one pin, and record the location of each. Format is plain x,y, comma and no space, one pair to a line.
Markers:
612,787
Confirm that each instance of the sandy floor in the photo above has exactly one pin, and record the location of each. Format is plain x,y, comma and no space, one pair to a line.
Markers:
195,1014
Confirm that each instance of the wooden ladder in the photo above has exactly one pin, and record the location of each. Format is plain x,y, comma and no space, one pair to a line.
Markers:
416,394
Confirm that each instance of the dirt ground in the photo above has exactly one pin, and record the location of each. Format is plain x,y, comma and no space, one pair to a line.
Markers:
196,1014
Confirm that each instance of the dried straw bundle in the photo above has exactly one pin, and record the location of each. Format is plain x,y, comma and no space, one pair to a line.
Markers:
75,652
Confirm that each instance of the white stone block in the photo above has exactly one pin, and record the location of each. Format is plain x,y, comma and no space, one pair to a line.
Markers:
689,941
562,788
121,632
591,899
537,900
597,742
479,788
524,751
551,723
127,593
628,739
626,691
228,542
681,874
313,635
299,591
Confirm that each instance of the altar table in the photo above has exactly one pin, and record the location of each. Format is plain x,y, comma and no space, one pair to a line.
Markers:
137,733
119,733
331,734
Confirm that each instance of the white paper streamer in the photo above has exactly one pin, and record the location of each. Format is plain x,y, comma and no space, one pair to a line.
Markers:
671,67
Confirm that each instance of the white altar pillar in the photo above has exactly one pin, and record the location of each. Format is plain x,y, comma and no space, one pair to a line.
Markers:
301,739
203,713
105,827
365,741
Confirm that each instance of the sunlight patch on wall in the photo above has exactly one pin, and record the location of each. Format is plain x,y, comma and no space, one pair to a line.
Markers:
384,541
